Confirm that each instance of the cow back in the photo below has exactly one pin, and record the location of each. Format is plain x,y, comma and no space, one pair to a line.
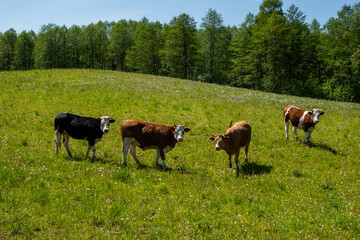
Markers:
148,134
293,114
78,127
240,134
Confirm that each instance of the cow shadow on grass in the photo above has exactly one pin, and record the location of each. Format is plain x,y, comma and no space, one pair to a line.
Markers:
325,147
253,168
79,158
179,168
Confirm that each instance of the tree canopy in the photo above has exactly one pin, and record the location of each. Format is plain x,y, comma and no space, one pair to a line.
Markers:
275,50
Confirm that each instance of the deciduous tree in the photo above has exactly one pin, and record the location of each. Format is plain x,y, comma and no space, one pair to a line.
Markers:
180,53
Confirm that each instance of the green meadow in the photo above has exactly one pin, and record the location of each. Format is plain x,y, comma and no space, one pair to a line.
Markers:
287,190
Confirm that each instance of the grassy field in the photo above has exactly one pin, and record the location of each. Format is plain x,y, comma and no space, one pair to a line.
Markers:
287,190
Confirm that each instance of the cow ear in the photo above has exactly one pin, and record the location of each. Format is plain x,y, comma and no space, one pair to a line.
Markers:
322,113
226,137
212,138
186,129
311,112
112,120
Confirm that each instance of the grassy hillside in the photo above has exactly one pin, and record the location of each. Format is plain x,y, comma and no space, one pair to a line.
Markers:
288,190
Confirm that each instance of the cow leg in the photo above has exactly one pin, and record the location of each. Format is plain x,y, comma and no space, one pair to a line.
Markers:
307,137
287,129
246,152
295,132
88,150
162,155
57,141
125,149
133,153
230,164
93,152
157,158
66,144
237,160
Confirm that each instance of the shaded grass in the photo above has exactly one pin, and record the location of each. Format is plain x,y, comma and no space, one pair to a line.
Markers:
287,190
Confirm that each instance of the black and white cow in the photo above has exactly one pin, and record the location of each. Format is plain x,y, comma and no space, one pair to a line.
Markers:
90,129
305,120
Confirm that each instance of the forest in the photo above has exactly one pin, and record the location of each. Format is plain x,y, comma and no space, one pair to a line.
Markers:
275,50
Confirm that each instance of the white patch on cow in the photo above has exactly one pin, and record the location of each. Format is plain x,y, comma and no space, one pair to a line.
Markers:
288,122
105,123
130,143
179,133
301,120
217,147
316,115
287,129
287,111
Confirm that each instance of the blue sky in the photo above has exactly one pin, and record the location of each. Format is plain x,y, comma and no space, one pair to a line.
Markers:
32,14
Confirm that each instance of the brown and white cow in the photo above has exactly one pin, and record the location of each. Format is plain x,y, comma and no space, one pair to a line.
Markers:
235,137
305,120
147,135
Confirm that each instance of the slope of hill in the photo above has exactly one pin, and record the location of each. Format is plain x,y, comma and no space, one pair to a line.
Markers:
287,190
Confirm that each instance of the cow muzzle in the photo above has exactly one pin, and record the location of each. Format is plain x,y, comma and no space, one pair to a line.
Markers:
180,139
217,148
106,130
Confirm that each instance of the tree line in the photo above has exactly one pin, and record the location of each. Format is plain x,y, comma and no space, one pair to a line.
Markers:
274,51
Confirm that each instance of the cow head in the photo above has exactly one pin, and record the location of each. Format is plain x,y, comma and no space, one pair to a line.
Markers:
221,140
105,123
316,114
179,132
